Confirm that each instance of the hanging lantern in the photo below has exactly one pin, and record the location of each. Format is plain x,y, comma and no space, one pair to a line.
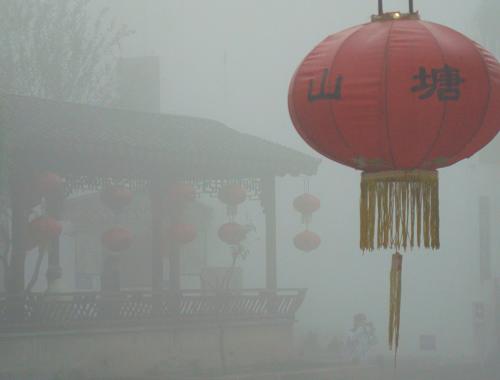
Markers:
50,184
42,230
116,197
307,241
397,98
232,233
306,204
183,233
117,239
232,195
181,192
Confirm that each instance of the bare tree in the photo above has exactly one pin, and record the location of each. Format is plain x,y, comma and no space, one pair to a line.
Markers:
55,49
58,49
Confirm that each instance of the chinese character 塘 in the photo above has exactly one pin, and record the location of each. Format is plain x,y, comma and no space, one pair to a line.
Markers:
445,81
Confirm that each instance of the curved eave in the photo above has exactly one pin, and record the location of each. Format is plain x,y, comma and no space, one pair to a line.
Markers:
81,140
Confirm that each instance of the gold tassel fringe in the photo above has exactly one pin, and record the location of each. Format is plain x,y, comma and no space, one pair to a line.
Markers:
395,303
400,209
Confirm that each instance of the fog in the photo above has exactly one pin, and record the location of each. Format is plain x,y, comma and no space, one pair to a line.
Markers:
231,61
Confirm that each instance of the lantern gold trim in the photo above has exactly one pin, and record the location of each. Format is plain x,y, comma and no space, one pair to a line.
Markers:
395,16
399,210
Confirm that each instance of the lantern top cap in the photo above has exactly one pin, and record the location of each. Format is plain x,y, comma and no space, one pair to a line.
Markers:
396,16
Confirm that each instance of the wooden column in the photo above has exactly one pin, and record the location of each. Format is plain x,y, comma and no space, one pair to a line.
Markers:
20,186
163,215
157,197
174,261
54,269
110,277
174,277
16,273
269,206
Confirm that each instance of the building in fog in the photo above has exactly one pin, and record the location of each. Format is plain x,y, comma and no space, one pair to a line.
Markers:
92,146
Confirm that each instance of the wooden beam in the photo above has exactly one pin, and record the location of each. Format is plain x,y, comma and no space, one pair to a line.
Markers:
157,197
269,206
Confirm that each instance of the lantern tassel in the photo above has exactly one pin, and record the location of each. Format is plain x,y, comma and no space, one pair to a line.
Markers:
395,303
399,210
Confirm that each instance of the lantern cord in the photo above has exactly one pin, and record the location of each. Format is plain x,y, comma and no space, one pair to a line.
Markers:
395,303
306,184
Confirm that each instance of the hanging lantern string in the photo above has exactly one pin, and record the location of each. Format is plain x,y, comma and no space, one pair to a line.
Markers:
381,7
395,303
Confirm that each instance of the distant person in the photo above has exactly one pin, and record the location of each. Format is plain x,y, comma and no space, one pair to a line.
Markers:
360,339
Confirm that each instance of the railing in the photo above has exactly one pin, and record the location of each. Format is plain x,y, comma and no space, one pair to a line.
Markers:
35,311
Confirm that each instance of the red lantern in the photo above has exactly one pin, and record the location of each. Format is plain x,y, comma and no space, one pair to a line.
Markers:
183,233
117,239
232,195
116,197
42,230
307,241
181,193
397,98
49,183
306,204
232,233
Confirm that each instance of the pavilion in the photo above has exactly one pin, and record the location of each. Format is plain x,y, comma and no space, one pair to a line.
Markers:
90,146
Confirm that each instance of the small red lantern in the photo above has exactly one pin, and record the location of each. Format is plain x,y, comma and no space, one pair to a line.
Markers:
183,233
306,204
307,241
117,239
232,195
181,192
116,197
42,230
49,183
232,233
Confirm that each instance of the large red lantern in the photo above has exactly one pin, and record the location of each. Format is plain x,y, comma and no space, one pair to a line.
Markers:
183,233
42,230
232,195
117,239
397,98
306,204
116,197
232,233
307,241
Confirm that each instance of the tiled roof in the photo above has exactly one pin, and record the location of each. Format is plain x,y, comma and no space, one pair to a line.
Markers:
81,140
